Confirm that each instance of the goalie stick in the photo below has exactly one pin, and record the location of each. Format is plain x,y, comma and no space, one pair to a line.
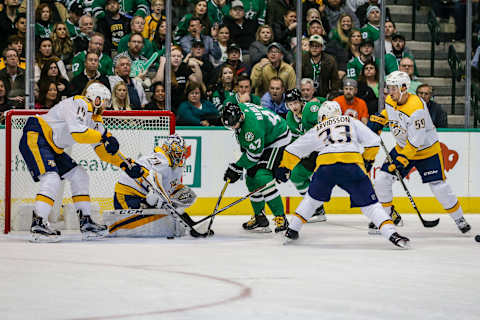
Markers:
217,204
426,223
183,218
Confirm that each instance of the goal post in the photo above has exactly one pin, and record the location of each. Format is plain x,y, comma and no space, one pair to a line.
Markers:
137,132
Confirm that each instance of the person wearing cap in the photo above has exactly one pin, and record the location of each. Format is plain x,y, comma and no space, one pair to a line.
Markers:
242,30
270,67
114,26
198,53
393,58
372,29
75,11
361,10
351,105
234,54
334,9
320,67
355,65
195,28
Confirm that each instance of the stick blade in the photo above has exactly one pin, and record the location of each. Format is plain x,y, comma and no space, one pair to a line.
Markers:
430,223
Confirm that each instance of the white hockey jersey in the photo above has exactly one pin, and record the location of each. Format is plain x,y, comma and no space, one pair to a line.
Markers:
339,139
158,165
72,121
412,127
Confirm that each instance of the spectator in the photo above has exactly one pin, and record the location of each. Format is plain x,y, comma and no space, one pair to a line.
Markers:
223,38
136,26
62,43
284,30
243,92
459,14
48,95
196,111
353,46
194,33
158,41
129,8
407,65
361,11
50,72
120,99
7,19
334,9
224,86
258,48
256,11
94,45
355,65
136,94
307,87
114,26
44,21
20,24
368,86
181,73
86,24
398,52
134,50
351,105
274,98
242,31
311,15
342,31
315,27
44,54
320,67
438,115
276,9
15,43
198,53
372,29
390,30
200,12
89,73
217,10
270,67
4,103
233,59
152,20
75,11
157,101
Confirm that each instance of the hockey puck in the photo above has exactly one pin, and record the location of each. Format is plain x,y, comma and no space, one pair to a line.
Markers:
170,238
477,238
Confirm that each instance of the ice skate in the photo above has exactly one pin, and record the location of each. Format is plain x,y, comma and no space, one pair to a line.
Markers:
281,223
91,230
462,225
41,231
290,236
258,223
400,241
318,216
396,218
372,229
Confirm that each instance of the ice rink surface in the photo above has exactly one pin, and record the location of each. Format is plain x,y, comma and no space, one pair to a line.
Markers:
335,271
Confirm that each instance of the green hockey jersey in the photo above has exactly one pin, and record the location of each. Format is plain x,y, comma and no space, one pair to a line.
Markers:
105,64
216,14
130,7
369,31
260,129
355,67
298,126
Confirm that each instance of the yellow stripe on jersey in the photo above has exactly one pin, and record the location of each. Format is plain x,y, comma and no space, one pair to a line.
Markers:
32,142
454,208
42,198
127,190
425,153
370,153
107,157
340,157
48,134
387,204
89,136
81,198
134,221
160,150
289,160
121,200
300,217
384,223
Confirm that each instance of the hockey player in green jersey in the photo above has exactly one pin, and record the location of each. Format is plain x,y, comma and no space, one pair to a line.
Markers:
262,136
301,118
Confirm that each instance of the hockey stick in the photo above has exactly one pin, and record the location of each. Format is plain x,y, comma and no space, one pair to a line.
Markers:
248,195
183,218
426,223
217,204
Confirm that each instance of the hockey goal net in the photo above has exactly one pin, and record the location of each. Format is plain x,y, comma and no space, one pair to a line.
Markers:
138,132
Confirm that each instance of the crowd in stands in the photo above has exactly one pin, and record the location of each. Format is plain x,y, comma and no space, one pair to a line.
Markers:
222,50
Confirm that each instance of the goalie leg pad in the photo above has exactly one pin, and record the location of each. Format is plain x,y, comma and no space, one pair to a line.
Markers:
383,186
183,197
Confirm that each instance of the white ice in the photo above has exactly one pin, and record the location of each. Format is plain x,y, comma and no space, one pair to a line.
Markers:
335,271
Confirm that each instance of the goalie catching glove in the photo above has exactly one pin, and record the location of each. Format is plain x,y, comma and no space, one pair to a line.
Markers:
400,162
110,143
233,173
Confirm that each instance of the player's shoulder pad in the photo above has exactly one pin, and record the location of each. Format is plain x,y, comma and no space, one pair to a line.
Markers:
413,105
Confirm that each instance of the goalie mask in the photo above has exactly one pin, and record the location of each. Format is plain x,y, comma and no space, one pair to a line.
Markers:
175,148
99,96
329,109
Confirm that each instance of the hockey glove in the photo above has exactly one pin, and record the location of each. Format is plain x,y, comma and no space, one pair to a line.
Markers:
282,174
153,199
110,143
376,122
368,164
233,173
400,163
134,171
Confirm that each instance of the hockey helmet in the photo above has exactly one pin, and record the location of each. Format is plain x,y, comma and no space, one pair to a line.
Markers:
231,115
99,95
399,79
176,149
293,95
329,109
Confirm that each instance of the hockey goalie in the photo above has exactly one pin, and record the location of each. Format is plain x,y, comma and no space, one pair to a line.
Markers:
141,211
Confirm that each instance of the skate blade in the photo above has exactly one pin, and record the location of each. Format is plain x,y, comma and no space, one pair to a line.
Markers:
92,236
316,219
288,241
404,245
399,223
260,230
40,238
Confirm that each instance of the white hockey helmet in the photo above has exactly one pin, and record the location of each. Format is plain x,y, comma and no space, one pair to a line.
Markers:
99,95
329,109
399,79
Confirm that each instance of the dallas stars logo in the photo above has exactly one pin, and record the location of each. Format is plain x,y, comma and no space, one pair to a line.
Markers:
249,136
